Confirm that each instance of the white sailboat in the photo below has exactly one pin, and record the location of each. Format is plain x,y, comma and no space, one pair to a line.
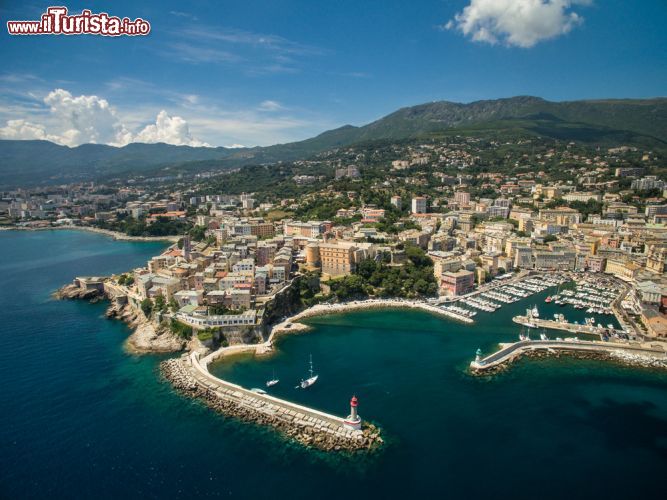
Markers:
535,313
310,380
273,381
529,320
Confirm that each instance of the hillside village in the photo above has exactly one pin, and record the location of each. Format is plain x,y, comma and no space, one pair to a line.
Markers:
414,220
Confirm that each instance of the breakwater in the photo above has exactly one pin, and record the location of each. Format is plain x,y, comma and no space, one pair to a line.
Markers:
189,375
635,354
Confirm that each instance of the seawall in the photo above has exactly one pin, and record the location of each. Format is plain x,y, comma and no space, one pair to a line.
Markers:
639,354
189,375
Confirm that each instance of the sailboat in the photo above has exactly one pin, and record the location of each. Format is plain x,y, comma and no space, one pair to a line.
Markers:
273,381
310,380
529,320
535,313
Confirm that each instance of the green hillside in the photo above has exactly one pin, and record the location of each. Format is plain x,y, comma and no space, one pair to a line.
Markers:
634,122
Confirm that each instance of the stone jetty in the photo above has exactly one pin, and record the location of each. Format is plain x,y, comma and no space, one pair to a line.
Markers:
636,354
307,426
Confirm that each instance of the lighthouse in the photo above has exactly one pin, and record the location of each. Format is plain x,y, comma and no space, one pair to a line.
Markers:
353,421
478,356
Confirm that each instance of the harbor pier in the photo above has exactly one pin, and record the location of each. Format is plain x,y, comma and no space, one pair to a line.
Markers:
189,374
513,351
560,325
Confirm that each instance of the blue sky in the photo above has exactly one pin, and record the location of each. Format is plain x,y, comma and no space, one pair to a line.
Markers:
264,72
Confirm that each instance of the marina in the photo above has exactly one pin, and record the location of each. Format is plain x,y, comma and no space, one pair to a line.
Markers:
605,332
594,296
491,298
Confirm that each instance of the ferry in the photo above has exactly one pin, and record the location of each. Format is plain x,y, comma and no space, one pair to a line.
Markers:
310,380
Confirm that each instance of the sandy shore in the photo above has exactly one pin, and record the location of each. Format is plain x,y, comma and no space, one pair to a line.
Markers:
113,234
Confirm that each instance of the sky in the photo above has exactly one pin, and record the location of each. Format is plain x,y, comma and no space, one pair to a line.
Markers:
261,72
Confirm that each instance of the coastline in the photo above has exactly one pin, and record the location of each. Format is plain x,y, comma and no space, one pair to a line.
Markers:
293,325
105,232
357,305
147,337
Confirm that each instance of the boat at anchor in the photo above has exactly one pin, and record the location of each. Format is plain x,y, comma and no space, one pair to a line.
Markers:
304,384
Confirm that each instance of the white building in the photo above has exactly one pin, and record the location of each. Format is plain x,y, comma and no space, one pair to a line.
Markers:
419,205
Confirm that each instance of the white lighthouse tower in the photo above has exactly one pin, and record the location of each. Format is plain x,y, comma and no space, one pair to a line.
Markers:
353,420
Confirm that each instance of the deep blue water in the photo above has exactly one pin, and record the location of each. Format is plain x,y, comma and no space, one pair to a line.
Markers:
81,418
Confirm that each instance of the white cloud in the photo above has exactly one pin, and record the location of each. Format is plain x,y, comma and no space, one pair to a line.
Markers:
21,129
171,130
520,23
72,121
270,106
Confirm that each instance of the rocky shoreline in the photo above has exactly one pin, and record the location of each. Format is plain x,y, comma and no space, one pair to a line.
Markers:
234,405
74,292
147,336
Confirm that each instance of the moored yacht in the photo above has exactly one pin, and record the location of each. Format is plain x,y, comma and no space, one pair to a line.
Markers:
304,384
273,381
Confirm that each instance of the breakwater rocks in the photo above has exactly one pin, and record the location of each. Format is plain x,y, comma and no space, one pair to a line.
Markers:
618,356
308,430
638,360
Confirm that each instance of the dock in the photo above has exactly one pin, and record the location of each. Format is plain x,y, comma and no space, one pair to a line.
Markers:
513,351
560,325
189,374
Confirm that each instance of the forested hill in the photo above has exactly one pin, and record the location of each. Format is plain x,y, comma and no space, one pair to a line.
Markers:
634,122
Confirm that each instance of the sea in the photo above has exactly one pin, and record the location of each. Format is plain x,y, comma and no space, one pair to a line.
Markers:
82,418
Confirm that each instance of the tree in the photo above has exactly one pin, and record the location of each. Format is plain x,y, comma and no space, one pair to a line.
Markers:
180,329
160,303
147,307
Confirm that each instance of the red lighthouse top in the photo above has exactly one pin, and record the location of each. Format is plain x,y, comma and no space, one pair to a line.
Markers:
353,401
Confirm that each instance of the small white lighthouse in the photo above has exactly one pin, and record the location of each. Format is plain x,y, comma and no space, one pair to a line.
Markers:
353,421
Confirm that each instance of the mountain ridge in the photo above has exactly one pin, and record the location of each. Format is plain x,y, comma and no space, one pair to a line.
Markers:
603,121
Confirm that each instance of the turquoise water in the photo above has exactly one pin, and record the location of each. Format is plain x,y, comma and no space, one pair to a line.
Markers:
81,418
